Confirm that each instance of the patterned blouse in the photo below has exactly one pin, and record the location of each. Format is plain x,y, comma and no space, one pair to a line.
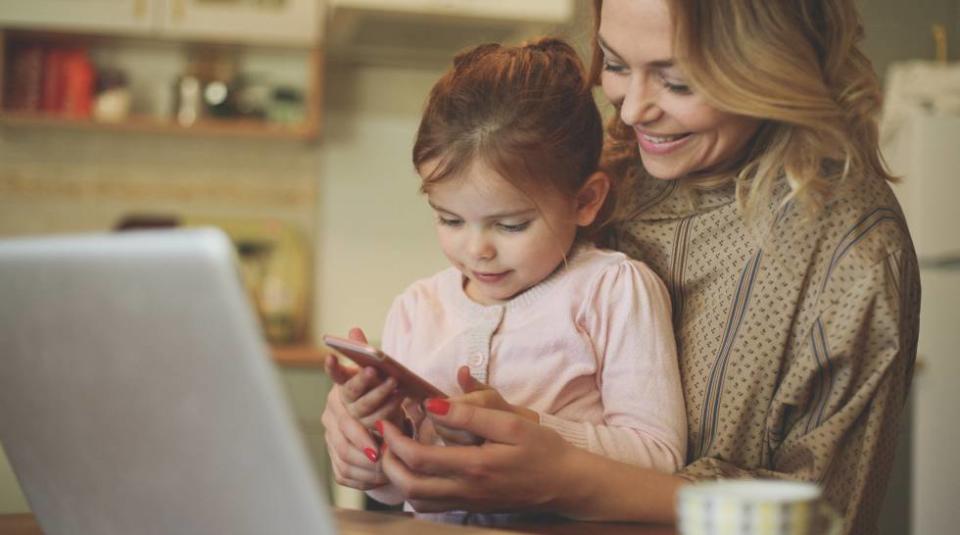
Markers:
796,335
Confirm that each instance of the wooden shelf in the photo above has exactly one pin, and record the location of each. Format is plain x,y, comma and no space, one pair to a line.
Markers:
300,356
312,61
204,127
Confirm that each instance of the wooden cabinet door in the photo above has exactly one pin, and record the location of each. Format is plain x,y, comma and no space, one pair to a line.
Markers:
136,16
285,22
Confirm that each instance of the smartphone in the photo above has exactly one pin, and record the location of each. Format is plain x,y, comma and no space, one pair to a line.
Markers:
411,384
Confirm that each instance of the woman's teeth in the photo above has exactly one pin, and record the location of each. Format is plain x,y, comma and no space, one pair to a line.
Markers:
662,139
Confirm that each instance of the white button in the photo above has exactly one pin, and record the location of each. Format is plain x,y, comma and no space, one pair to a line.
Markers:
476,359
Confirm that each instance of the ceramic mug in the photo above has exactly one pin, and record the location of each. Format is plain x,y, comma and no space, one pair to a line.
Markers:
755,507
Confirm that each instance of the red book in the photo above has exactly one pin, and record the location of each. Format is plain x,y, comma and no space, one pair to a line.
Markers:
54,81
26,78
79,84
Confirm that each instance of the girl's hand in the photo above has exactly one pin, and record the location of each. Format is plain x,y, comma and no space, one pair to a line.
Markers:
483,395
354,404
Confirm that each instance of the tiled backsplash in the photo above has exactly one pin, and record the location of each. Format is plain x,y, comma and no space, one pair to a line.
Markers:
73,180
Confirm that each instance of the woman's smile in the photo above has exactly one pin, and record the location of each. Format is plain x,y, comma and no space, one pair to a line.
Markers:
661,144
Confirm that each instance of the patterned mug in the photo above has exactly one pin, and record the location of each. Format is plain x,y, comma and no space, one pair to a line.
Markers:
755,507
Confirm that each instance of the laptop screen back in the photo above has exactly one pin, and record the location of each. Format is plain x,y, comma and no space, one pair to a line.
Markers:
136,392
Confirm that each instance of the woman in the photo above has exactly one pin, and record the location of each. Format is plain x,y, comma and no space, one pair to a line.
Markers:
747,147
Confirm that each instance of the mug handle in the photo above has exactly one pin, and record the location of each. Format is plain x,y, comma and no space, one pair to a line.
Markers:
833,519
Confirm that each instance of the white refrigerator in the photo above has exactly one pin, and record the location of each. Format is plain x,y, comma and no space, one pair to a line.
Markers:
925,151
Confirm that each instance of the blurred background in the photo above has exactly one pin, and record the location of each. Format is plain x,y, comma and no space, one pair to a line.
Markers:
289,124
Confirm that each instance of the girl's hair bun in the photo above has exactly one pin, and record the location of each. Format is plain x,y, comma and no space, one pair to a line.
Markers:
551,45
467,57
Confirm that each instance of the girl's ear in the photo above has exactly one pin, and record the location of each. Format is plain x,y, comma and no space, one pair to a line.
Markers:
590,198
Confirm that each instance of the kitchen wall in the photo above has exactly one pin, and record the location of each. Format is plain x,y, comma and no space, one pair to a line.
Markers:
898,30
377,232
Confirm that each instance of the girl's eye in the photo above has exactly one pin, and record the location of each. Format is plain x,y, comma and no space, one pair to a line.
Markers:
519,227
448,222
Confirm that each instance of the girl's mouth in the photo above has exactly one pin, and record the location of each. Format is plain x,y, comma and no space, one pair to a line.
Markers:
490,277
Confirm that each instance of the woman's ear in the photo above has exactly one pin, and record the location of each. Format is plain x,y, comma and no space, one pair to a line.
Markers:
590,198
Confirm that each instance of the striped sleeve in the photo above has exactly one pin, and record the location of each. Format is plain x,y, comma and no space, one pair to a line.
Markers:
839,401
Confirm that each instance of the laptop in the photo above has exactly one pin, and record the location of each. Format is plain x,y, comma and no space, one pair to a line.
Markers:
137,394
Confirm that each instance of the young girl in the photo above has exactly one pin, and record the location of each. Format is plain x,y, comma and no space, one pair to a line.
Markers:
531,317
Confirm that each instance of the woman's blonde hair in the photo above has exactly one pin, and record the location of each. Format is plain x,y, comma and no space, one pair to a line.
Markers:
794,64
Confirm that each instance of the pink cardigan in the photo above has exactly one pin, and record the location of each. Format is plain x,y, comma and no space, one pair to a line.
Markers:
591,349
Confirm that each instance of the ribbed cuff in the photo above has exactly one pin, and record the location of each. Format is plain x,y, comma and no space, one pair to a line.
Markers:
573,432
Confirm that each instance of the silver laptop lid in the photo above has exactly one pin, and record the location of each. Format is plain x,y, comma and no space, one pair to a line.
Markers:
136,394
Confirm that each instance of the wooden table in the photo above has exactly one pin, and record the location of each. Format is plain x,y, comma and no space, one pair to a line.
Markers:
353,522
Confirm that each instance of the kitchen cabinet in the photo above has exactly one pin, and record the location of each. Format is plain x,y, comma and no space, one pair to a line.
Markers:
89,15
278,22
292,22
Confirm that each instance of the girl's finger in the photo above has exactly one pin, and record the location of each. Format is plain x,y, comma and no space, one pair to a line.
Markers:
341,425
387,411
469,383
338,373
356,334
373,399
359,384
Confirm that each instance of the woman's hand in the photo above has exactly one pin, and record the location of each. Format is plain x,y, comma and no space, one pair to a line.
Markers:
479,395
358,400
520,466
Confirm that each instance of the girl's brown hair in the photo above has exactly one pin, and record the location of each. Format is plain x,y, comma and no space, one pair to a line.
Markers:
526,111
794,64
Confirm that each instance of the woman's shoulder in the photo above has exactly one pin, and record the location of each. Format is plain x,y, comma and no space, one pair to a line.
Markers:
859,210
859,227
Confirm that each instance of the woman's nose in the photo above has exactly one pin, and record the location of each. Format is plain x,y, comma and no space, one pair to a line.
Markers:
639,103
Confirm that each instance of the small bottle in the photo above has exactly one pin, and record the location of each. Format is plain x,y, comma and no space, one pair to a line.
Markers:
112,104
189,100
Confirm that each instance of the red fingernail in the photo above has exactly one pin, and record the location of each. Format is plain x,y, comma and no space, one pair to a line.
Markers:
371,454
438,406
379,425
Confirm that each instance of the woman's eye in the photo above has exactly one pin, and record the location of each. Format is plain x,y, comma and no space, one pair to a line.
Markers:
610,66
448,222
519,227
673,87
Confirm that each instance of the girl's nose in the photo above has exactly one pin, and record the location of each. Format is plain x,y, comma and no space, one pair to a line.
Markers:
639,103
481,248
